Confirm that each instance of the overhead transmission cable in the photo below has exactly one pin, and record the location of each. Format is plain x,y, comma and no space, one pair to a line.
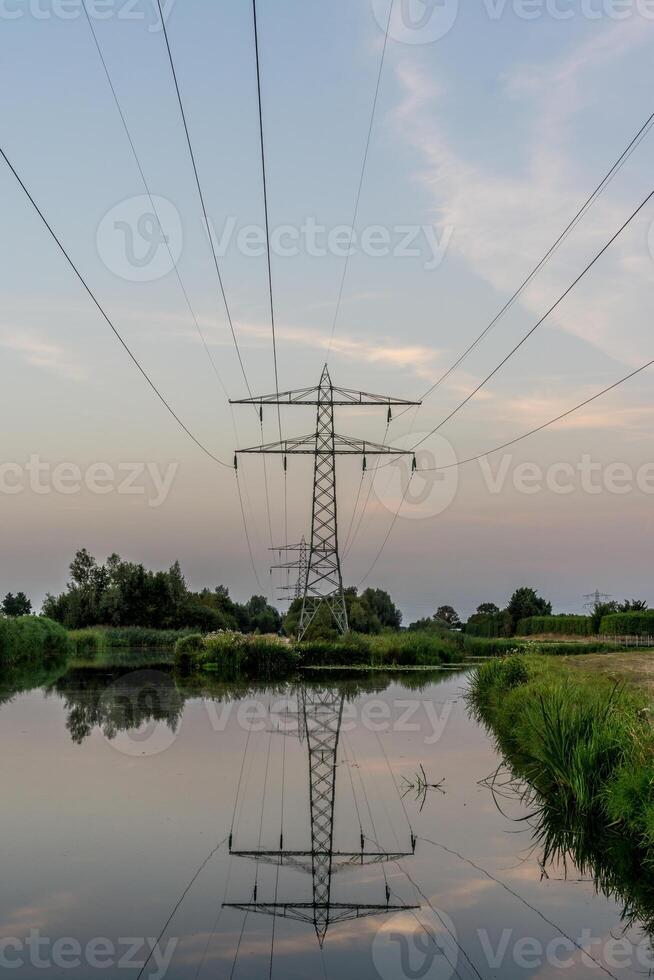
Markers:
545,425
361,178
201,196
506,445
601,187
515,894
264,179
209,232
590,200
538,323
107,318
281,843
179,902
146,187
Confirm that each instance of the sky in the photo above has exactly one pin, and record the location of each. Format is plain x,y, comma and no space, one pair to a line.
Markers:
494,122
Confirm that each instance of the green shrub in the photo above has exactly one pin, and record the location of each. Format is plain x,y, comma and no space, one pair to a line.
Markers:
489,625
142,637
628,624
32,640
392,649
236,653
567,625
88,643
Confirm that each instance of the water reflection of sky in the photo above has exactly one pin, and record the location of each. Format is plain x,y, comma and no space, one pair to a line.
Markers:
103,835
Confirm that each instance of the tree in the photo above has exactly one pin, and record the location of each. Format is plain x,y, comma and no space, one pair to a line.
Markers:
601,609
382,607
633,605
526,602
16,605
263,618
81,567
449,616
488,609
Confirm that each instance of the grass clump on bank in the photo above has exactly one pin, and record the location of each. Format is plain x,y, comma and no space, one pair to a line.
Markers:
273,655
234,653
405,649
584,748
96,641
31,640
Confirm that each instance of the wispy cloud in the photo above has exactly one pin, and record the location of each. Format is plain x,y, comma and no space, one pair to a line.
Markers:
41,353
419,359
504,222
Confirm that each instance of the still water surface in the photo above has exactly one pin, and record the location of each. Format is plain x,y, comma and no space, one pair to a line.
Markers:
118,784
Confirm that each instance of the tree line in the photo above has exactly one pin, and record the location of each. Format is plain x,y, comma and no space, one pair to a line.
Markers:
123,593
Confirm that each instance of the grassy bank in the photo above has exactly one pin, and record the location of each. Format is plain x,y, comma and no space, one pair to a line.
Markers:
96,641
235,653
415,649
583,746
274,655
32,641
392,650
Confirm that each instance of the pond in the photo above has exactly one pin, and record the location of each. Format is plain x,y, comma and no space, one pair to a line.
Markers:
243,830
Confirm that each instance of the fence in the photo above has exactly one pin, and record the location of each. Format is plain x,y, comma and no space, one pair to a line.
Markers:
629,641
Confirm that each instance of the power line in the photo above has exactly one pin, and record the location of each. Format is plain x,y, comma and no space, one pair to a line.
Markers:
264,180
179,902
148,192
635,142
361,177
506,445
238,945
601,187
201,195
106,317
517,895
388,533
265,207
545,425
247,533
529,333
377,466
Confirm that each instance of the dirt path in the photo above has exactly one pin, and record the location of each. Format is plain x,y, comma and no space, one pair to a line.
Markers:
631,667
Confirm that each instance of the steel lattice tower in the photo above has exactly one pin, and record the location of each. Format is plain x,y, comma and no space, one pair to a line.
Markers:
301,564
324,581
320,719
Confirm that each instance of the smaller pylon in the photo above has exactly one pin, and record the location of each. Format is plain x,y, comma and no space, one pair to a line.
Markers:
300,563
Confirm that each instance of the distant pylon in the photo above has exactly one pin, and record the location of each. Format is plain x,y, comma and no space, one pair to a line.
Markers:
324,581
300,563
595,598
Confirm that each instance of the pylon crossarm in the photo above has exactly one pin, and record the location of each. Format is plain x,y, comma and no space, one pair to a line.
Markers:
343,446
306,911
311,396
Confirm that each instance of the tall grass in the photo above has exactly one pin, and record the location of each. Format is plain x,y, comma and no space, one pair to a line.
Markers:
96,641
401,649
234,653
31,640
583,748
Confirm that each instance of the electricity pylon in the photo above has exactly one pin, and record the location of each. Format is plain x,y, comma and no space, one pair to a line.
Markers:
321,716
324,581
596,598
300,563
